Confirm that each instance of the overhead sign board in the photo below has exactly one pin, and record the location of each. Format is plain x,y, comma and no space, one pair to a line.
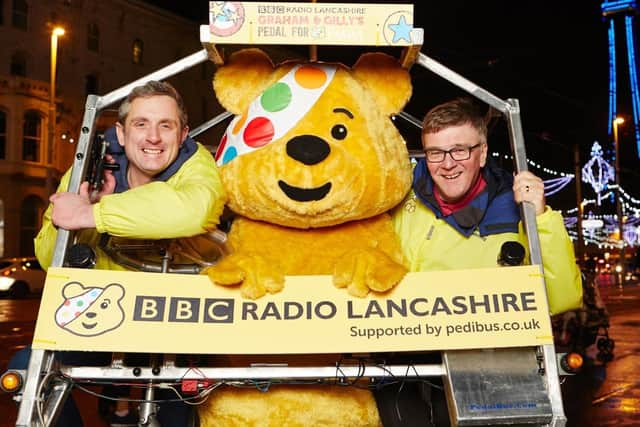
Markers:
237,22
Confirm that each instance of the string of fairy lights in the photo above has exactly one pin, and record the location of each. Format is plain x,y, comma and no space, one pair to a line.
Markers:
601,230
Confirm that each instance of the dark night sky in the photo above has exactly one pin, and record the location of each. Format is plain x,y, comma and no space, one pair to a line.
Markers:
550,54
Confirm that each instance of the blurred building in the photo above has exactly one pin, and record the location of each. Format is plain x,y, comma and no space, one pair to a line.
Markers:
107,44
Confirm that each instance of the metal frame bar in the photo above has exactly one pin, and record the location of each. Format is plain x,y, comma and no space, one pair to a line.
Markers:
210,123
41,361
256,372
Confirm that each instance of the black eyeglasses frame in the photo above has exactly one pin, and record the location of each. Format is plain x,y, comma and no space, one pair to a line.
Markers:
444,153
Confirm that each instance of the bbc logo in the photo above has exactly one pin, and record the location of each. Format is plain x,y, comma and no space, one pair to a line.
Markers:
183,309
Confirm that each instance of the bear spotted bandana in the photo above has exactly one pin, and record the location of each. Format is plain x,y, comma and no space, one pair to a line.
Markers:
278,109
73,307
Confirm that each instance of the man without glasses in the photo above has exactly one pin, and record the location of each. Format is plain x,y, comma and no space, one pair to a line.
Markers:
167,186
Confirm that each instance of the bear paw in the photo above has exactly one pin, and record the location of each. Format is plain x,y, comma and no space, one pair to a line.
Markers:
362,270
255,276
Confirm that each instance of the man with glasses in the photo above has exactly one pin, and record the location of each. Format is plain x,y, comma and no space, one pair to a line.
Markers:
460,212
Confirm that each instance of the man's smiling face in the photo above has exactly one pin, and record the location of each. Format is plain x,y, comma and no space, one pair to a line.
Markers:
151,137
454,178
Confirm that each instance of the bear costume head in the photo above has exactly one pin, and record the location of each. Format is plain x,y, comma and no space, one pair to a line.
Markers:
312,144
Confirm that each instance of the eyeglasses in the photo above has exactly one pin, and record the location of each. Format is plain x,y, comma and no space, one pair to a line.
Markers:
456,153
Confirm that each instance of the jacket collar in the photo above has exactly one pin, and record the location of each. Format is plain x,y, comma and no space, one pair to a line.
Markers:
478,213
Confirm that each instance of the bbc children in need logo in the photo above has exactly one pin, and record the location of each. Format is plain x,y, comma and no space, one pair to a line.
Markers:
90,311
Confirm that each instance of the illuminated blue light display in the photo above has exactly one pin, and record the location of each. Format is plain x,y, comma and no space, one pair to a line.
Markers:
613,102
633,76
628,8
611,7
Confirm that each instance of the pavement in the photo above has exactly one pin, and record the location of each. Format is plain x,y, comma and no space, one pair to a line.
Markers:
609,395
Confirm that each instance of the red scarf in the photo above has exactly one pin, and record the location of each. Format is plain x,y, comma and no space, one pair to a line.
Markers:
449,208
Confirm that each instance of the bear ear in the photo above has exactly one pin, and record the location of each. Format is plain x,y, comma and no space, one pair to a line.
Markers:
116,291
242,79
386,79
72,289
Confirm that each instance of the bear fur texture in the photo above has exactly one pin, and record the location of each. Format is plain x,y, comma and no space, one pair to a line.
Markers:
313,200
311,163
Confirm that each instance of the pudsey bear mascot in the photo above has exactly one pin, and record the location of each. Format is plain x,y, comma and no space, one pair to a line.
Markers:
311,162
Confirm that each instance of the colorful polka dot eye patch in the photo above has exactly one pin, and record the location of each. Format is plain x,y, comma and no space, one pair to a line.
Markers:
73,307
278,109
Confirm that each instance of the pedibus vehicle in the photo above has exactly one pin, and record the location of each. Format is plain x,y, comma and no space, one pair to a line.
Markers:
519,379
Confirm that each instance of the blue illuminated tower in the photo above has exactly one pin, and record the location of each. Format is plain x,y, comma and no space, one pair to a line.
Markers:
611,10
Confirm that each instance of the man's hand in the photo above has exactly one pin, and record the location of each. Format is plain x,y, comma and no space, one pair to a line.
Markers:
529,188
73,211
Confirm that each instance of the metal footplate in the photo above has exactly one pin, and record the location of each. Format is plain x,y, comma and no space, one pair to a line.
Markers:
496,387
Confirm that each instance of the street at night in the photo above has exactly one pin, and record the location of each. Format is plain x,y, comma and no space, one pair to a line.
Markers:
244,143
600,396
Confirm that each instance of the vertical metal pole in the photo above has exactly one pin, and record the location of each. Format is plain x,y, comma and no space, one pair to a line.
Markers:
550,361
39,362
516,137
78,172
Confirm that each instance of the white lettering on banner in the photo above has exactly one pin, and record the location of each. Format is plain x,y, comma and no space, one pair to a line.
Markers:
149,308
184,310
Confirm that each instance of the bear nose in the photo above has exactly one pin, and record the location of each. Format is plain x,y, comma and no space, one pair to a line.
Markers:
308,149
91,315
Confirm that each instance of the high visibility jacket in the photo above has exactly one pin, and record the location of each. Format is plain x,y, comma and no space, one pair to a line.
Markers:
430,243
187,203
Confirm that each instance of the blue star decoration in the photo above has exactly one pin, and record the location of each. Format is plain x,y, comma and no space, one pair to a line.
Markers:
401,30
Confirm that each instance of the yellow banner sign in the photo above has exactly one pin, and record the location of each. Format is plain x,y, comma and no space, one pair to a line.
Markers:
172,313
310,23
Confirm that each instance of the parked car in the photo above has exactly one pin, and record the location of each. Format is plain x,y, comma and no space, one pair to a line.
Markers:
21,276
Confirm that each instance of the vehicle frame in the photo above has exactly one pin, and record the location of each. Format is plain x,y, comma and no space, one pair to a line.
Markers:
42,364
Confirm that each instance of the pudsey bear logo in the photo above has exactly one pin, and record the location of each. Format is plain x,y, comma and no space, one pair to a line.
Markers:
90,311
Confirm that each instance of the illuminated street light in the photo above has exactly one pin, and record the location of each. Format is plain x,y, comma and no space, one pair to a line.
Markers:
55,33
617,121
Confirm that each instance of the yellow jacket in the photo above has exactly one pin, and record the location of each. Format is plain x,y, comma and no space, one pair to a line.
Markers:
188,203
429,243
